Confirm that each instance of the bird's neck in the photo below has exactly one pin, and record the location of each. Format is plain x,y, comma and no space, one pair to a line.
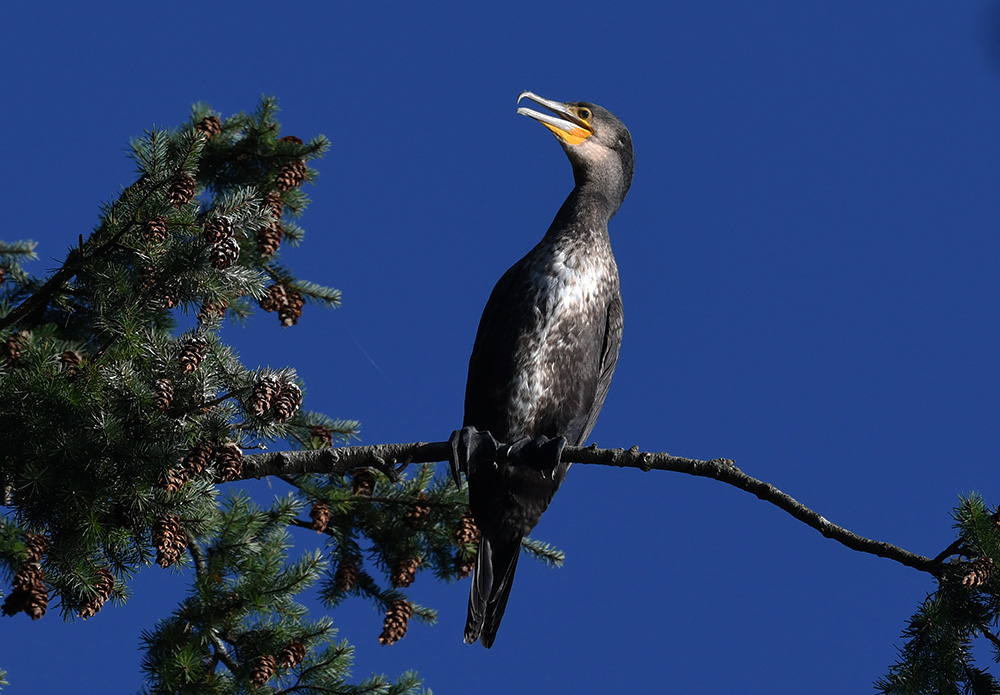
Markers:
587,210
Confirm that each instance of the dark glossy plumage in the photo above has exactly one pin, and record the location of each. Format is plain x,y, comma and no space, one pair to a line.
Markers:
544,354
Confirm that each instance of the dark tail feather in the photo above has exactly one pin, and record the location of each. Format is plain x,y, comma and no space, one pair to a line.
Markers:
494,574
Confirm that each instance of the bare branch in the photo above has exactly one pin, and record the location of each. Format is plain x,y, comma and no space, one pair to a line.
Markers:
391,458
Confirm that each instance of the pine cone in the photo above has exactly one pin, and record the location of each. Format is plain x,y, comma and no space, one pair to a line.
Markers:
467,531
155,229
163,394
346,576
322,434
320,515
979,572
269,239
197,458
230,462
224,254
291,138
193,351
181,190
397,619
292,655
288,400
405,571
277,297
104,587
169,540
263,394
28,594
210,311
464,567
13,347
289,314
36,544
217,228
273,201
363,484
210,126
3,274
417,511
291,175
263,670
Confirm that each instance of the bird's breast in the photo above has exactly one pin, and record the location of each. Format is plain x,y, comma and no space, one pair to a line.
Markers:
558,350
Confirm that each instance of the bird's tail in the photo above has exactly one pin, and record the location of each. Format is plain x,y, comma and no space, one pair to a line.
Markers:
494,574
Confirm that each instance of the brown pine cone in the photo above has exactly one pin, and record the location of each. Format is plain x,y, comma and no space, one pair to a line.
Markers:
36,544
289,314
224,254
346,576
196,459
292,655
467,532
269,239
29,593
169,539
273,201
322,434
230,462
405,571
277,297
320,515
978,572
263,670
291,138
163,394
181,190
217,228
417,511
464,567
12,348
397,619
362,484
263,394
193,351
105,584
291,175
211,312
288,400
155,229
210,126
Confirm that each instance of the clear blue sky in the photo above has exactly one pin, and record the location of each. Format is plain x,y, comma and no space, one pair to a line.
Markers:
809,269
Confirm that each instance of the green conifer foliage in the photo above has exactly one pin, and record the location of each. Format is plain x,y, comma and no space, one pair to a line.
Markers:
117,429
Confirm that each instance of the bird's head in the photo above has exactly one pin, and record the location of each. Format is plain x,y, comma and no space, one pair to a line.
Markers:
598,145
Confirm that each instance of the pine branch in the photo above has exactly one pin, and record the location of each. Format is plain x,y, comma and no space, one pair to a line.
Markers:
390,459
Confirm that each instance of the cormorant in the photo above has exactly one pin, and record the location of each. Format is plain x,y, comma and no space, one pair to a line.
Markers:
542,362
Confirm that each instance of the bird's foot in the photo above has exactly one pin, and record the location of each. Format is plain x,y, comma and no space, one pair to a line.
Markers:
469,448
543,454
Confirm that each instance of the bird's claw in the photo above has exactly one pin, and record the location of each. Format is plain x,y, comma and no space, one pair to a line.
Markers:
537,453
470,446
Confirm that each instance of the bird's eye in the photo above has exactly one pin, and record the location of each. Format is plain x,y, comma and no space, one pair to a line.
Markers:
584,114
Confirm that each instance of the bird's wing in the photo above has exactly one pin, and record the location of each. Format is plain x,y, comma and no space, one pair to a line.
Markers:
614,324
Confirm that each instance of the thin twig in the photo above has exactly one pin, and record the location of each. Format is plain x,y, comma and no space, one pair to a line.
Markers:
387,457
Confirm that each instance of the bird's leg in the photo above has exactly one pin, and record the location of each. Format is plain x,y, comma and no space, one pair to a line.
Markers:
470,448
544,454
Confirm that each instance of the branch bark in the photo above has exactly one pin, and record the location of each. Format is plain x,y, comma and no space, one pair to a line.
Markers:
392,458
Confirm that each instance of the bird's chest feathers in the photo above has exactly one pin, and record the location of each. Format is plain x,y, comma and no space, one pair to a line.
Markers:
558,350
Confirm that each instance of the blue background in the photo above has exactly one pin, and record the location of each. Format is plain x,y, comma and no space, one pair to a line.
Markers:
808,258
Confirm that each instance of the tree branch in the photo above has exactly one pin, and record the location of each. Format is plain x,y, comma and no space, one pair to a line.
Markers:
390,459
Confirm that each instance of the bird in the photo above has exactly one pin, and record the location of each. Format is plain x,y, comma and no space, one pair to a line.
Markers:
543,357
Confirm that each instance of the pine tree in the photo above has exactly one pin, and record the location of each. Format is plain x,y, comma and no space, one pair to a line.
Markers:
119,430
